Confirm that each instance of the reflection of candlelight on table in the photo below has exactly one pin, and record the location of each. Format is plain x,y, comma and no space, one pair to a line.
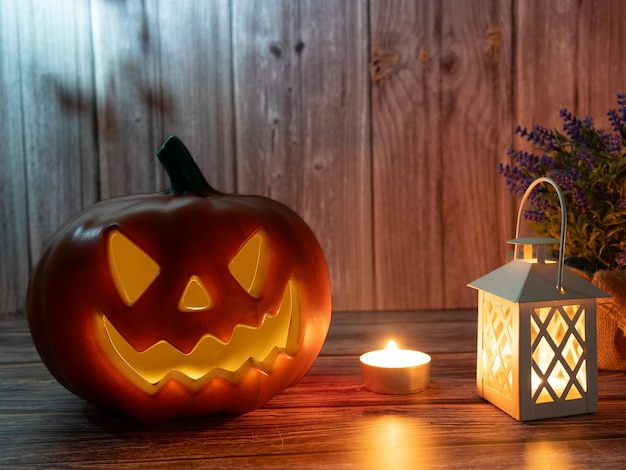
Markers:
395,371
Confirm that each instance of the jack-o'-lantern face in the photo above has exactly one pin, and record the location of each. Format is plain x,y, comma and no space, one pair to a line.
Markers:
180,303
133,272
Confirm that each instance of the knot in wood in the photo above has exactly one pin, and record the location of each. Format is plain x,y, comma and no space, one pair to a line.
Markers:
449,63
382,64
493,39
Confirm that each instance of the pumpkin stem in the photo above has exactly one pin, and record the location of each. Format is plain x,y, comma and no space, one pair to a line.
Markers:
185,176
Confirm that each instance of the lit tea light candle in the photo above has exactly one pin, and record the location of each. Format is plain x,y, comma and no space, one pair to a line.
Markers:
395,371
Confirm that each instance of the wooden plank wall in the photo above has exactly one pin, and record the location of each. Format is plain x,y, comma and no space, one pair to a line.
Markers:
379,121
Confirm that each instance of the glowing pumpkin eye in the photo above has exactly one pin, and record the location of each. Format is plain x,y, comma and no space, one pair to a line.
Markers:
132,269
250,265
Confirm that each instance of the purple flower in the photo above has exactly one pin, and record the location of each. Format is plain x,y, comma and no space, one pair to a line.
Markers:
588,160
617,117
581,200
539,136
521,131
621,101
543,137
620,259
615,144
549,162
534,216
615,120
516,182
540,200
525,160
567,178
572,126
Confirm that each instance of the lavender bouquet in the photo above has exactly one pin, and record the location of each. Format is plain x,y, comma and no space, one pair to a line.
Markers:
589,165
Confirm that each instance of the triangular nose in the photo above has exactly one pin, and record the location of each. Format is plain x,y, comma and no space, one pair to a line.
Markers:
195,297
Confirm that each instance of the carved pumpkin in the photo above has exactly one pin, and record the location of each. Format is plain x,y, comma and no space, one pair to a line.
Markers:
180,303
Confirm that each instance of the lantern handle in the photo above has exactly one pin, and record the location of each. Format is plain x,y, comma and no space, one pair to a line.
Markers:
544,179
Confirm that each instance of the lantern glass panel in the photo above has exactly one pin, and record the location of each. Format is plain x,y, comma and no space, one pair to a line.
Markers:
497,348
558,366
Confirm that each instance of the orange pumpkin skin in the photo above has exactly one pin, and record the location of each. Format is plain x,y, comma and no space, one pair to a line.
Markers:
196,232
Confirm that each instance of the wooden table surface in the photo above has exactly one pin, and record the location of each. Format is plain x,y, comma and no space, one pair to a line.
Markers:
326,420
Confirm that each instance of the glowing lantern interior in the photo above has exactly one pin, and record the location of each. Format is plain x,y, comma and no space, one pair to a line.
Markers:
133,271
497,350
558,368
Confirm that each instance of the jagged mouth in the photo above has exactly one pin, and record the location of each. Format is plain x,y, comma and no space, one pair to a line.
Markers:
248,347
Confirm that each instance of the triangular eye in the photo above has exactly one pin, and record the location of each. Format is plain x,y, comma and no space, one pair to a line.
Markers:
250,265
195,296
132,269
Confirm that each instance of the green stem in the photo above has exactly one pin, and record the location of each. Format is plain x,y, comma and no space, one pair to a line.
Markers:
185,176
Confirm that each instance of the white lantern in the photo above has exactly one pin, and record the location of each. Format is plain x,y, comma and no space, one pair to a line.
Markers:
536,355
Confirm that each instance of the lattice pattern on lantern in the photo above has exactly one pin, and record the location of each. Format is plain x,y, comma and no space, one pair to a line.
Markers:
559,367
497,351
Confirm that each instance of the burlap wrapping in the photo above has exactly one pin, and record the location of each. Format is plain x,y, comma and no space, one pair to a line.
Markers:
611,320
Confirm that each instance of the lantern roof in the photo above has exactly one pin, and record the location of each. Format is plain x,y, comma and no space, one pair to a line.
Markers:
520,281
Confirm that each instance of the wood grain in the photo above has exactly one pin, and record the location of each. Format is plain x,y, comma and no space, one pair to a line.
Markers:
129,96
476,125
336,147
546,48
379,121
196,84
601,59
303,126
14,249
569,55
327,420
407,166
57,117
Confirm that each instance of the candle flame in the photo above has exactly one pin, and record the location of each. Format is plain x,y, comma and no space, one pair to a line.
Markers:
391,346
